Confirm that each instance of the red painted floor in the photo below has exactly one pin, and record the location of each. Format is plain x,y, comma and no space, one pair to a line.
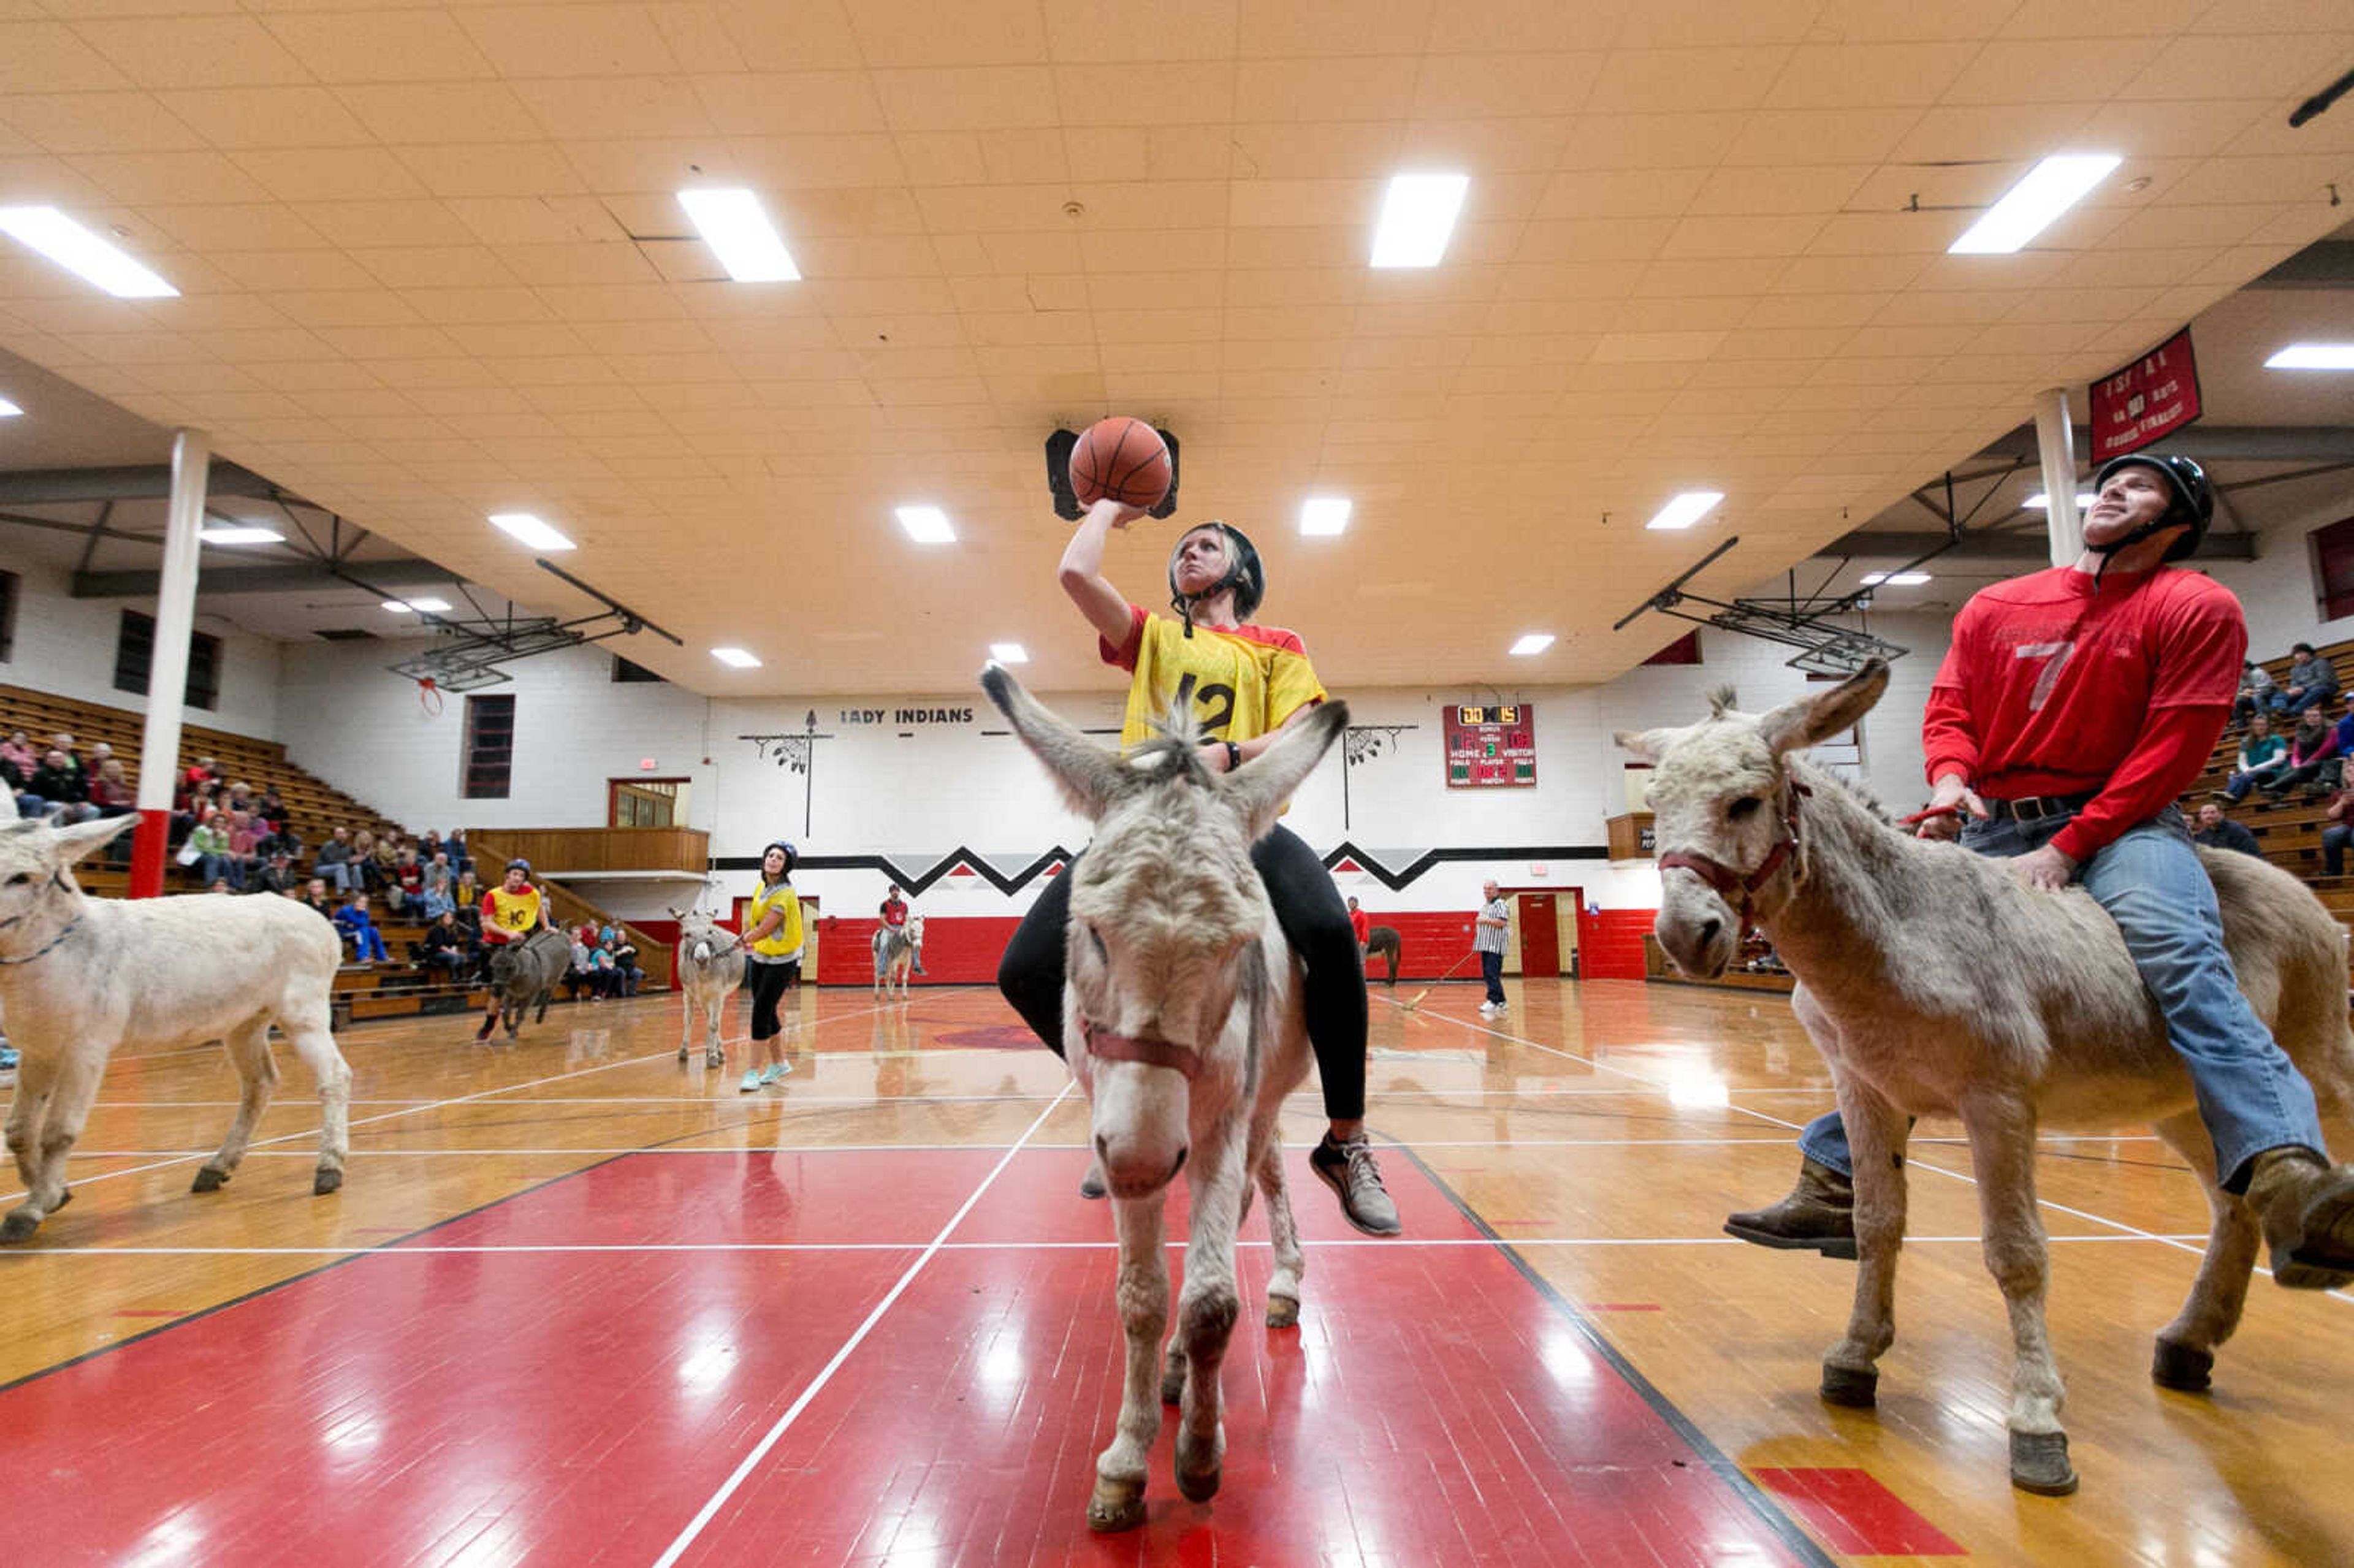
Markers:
417,1406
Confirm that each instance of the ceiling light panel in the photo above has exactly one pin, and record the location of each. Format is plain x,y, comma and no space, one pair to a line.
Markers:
1894,579
1322,516
925,524
2040,502
84,254
1531,643
2313,356
417,606
1418,218
8,410
736,227
526,529
1686,509
239,534
1009,652
736,658
2046,191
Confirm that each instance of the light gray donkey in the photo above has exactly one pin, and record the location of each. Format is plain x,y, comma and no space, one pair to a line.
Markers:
1937,984
896,950
1181,1015
710,969
81,978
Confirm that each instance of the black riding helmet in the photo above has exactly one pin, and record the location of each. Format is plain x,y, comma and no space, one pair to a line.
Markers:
2193,502
520,865
1247,577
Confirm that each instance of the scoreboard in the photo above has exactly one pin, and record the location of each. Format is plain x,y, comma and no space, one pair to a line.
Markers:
1491,748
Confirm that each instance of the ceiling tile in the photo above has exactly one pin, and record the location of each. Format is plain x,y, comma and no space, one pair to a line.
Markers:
559,40
1080,31
1323,28
1850,75
430,114
46,57
1498,86
533,169
595,108
141,178
784,102
361,46
97,123
344,173
191,52
1638,82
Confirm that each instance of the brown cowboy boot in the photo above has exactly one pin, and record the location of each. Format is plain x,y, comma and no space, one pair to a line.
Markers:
1818,1215
2306,1206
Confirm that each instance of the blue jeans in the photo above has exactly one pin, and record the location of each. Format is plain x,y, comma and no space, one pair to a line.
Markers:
2281,703
2251,1096
1491,970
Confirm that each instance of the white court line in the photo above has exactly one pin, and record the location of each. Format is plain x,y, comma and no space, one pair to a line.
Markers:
1399,1242
416,1106
760,1451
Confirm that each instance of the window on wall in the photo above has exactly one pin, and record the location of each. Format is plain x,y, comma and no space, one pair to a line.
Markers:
490,748
134,659
2333,569
8,616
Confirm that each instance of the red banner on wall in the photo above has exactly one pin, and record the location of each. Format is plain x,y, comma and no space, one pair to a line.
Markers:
2154,397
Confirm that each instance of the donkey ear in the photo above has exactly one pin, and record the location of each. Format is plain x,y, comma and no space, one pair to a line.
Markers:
67,845
1644,745
1259,787
1089,775
1811,721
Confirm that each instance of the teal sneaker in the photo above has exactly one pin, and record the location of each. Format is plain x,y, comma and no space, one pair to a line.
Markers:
751,1084
773,1070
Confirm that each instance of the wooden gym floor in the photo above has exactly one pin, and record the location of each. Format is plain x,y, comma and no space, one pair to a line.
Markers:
580,1304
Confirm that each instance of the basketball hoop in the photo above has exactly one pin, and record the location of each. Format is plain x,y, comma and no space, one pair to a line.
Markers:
428,696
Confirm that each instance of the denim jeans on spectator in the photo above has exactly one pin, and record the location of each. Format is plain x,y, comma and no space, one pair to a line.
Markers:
341,878
2281,703
2239,784
2251,1096
212,868
2321,775
2334,840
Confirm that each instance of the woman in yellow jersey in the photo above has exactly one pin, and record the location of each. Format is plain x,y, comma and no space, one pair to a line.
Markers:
1245,682
510,912
772,961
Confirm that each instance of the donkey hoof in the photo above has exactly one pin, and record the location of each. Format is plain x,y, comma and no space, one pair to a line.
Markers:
2039,1464
1199,1488
1858,1389
2185,1369
1115,1506
18,1225
210,1178
715,1060
1283,1311
681,1053
326,1181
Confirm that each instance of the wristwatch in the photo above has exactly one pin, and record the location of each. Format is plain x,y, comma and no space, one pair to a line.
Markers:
1234,756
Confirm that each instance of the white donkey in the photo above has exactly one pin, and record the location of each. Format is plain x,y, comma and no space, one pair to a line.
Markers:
1934,983
81,977
895,953
1181,1016
710,970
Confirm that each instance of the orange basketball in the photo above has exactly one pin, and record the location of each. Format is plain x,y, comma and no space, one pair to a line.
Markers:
1121,458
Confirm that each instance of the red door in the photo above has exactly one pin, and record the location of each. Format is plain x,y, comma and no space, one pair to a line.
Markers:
1539,939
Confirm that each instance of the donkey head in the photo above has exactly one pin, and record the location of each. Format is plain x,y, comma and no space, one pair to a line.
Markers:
37,890
1726,814
699,936
1165,962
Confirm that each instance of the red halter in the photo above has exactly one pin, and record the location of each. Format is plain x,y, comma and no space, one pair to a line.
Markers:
1151,1050
1736,889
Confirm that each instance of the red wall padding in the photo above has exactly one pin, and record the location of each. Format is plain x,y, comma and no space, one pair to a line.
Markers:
1429,941
1610,944
957,952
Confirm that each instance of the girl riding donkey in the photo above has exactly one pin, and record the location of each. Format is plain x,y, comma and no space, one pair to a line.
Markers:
1245,684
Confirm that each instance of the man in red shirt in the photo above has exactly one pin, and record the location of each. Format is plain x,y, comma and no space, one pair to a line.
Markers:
2075,706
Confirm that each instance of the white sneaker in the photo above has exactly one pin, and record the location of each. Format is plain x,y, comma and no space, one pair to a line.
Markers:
1487,1010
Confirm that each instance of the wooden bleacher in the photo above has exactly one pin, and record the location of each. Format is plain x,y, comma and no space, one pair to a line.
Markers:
397,988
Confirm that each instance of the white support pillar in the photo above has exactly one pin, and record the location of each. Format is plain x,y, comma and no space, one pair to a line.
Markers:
167,668
2055,441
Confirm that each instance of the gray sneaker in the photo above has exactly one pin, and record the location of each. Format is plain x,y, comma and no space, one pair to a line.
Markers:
1350,1170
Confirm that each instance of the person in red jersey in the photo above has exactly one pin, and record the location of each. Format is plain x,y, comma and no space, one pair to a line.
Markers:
510,912
2073,708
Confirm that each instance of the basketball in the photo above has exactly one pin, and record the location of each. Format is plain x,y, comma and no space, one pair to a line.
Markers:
1123,458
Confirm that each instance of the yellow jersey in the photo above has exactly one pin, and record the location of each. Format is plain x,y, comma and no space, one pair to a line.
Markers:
1242,682
514,913
785,941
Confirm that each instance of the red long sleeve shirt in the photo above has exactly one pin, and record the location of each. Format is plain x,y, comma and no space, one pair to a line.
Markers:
2058,685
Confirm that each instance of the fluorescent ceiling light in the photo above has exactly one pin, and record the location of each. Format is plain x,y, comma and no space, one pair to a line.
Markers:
1009,652
1895,579
1417,217
82,253
8,410
240,534
2040,502
1531,643
739,233
1324,514
1686,509
736,658
2049,189
2313,356
529,530
417,606
925,524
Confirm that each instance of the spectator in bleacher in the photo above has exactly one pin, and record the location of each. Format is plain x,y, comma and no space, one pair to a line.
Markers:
17,752
2217,830
187,813
408,886
211,840
59,784
271,808
314,894
363,862
448,947
333,862
110,792
2334,837
284,840
2311,680
628,975
204,772
436,896
384,856
352,920
454,846
277,876
63,742
2262,754
582,976
2312,761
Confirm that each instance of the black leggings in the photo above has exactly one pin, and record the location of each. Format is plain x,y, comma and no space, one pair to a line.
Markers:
768,983
1315,922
